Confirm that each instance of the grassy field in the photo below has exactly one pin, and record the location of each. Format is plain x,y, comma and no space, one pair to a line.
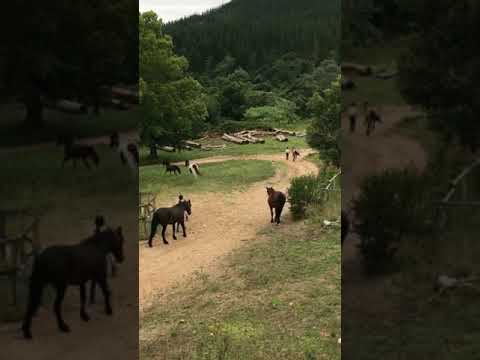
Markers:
14,133
271,146
221,176
277,298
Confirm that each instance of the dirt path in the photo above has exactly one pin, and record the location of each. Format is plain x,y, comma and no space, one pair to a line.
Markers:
361,156
219,224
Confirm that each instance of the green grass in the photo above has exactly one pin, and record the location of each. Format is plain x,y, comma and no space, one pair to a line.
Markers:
13,131
271,146
275,299
221,176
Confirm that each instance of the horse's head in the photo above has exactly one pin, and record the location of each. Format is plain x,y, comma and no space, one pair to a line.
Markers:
270,190
116,241
187,205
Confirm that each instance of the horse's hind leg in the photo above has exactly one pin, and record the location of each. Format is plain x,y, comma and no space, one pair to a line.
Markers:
271,214
85,161
57,307
34,300
106,294
278,213
153,231
163,234
83,297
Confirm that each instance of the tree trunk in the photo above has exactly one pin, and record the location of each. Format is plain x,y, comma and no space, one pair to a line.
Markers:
153,151
34,106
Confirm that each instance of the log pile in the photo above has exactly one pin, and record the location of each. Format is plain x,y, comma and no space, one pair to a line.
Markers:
281,138
193,144
126,94
285,132
356,68
234,139
67,106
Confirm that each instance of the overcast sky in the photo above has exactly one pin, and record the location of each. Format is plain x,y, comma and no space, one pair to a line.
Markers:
169,10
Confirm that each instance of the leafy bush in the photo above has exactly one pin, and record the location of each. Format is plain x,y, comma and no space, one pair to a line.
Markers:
230,126
391,206
307,191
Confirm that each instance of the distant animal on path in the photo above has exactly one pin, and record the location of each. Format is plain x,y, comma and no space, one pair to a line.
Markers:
75,152
62,266
276,200
171,168
345,226
128,151
170,216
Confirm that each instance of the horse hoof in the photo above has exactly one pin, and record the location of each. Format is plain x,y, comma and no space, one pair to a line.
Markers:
184,235
27,334
174,238
108,311
166,242
85,317
64,328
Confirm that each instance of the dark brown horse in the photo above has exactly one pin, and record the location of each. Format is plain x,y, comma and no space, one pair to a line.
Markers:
170,216
276,200
62,266
169,168
77,151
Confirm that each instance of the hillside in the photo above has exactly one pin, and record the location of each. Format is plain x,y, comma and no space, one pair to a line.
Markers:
256,32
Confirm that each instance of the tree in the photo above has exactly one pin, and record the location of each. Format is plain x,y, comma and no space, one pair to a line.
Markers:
324,132
66,50
173,102
440,69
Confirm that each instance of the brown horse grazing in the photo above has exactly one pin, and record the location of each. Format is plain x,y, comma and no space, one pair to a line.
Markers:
167,216
276,200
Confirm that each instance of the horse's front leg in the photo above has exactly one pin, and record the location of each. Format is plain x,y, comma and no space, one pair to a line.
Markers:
106,294
271,214
183,228
85,162
92,292
173,228
83,297
57,307
163,234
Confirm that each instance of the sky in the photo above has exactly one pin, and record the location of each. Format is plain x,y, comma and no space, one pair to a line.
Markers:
169,10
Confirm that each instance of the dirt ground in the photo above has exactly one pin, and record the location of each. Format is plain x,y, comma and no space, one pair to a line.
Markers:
219,224
361,156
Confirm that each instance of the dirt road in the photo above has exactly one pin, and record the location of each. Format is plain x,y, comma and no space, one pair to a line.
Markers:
219,223
361,156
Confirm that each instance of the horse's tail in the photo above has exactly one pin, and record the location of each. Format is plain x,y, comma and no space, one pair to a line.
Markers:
95,157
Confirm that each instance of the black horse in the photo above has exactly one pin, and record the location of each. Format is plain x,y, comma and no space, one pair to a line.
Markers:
276,200
167,216
171,168
77,151
66,265
180,199
345,226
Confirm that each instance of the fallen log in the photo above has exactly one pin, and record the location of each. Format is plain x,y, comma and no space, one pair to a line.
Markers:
67,106
284,132
281,138
126,94
255,140
234,139
212,147
167,148
119,104
193,144
356,68
386,76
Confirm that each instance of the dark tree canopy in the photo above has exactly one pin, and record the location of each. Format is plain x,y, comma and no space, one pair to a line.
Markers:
66,49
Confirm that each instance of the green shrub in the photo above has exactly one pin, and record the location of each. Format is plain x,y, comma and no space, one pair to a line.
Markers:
391,207
309,190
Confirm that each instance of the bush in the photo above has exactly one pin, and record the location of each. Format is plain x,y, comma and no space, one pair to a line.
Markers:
309,190
231,126
392,206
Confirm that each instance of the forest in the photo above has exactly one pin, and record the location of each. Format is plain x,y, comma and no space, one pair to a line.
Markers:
190,85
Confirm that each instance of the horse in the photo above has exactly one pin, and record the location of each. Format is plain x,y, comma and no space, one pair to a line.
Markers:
65,265
276,200
167,216
171,168
77,151
345,226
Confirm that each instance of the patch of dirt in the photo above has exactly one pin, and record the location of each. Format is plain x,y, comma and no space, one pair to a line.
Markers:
363,156
220,222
